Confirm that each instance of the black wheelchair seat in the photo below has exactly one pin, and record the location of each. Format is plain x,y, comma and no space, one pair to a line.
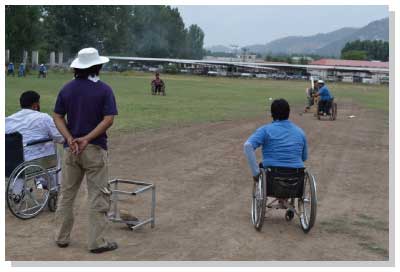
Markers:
283,182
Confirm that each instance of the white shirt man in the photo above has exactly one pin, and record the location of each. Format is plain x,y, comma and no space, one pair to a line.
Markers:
33,125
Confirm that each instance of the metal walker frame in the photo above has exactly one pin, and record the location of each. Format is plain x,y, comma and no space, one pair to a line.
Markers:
115,192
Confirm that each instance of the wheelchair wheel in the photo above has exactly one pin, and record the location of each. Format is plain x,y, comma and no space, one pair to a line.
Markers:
259,200
52,203
334,111
24,195
308,203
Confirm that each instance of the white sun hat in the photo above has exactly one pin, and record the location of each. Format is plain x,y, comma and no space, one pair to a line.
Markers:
321,81
88,57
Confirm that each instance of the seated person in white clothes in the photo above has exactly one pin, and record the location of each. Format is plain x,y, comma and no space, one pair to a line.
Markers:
33,125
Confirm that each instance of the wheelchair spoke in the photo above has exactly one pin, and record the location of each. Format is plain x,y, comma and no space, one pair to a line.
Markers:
32,198
18,206
31,209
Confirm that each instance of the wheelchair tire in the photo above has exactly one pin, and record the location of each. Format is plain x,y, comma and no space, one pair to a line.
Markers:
31,200
259,201
52,203
308,203
334,111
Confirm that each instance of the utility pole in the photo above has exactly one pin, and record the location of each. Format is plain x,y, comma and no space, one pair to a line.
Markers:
244,49
234,47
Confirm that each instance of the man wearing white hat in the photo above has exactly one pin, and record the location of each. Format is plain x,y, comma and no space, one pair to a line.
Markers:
42,71
90,106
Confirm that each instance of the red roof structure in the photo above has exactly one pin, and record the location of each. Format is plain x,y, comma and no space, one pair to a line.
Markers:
351,63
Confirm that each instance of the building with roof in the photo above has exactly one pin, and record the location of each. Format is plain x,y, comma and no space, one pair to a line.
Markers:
350,70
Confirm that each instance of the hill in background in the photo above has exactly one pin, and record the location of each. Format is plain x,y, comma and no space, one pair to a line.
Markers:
323,44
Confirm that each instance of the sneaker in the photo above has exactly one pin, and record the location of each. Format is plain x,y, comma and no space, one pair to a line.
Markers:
109,247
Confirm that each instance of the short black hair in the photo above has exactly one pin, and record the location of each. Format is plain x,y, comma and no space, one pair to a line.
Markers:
28,98
85,73
280,109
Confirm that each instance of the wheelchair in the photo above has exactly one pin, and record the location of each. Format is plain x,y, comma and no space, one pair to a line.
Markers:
31,185
296,186
329,110
154,90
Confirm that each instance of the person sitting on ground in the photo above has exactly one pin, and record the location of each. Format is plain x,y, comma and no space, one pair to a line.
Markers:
10,69
310,95
325,99
283,143
33,125
157,84
42,71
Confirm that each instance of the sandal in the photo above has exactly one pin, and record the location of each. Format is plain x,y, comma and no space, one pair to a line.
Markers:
109,247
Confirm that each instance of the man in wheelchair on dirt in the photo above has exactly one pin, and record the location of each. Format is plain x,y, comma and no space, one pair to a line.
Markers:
281,174
325,99
38,133
284,145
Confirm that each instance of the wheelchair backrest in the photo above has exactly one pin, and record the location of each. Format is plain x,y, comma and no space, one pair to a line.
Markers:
14,152
285,182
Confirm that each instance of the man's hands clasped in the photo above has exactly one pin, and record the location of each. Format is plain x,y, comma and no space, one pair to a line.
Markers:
77,145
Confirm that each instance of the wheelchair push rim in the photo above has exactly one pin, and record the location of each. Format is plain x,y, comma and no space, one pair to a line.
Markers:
25,199
259,199
308,203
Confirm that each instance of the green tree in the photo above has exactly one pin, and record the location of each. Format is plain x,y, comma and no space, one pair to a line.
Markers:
374,50
23,31
354,55
195,40
159,31
149,31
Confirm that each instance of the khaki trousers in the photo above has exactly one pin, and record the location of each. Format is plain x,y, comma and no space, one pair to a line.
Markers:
92,162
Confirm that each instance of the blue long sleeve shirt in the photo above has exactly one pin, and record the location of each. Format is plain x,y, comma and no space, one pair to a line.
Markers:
283,145
325,94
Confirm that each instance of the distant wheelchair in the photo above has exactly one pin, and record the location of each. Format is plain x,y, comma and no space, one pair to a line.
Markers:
327,109
158,89
31,185
292,186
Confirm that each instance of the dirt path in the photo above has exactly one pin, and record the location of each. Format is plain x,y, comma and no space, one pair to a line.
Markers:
204,192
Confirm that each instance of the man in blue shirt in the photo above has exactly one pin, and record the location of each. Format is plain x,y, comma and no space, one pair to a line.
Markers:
42,71
325,98
10,69
283,143
21,70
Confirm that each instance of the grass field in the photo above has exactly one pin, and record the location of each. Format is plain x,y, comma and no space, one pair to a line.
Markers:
190,99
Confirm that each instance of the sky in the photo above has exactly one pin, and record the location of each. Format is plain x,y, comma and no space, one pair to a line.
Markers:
247,25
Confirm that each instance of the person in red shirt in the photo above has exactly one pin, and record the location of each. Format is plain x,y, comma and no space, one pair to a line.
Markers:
157,85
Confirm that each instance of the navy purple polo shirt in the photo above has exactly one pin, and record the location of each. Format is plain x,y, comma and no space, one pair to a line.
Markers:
86,103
